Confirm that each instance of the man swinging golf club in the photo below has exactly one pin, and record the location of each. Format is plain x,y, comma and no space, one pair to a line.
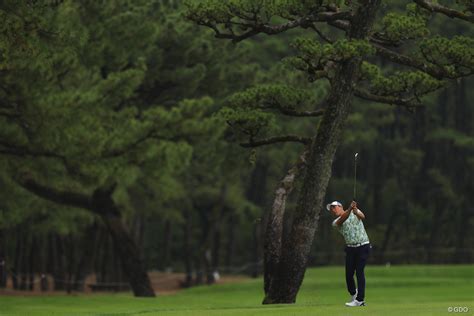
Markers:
350,225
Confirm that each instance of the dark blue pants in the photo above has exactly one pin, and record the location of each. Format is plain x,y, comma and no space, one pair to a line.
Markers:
356,258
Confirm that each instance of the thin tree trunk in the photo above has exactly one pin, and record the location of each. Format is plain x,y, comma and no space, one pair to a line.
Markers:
59,275
71,261
216,246
31,263
17,260
187,250
435,223
24,263
138,230
296,247
388,233
199,279
3,261
210,220
257,233
256,194
463,122
230,245
87,257
43,259
99,250
207,258
165,263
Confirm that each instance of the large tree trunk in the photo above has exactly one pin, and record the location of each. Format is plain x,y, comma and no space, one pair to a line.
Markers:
128,252
274,223
124,244
102,204
296,247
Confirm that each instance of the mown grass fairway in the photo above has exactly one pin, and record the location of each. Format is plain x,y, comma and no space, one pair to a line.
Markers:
399,290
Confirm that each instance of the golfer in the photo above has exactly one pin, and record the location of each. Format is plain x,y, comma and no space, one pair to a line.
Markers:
349,223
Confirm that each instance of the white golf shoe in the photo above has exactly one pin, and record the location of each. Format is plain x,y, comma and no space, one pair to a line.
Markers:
355,303
353,297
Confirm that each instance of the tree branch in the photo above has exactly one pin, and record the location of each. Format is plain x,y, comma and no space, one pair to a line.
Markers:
67,198
398,58
255,27
127,148
277,139
385,99
321,34
14,150
436,7
291,112
376,38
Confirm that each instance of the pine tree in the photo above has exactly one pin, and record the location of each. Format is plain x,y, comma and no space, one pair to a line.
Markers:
96,100
363,33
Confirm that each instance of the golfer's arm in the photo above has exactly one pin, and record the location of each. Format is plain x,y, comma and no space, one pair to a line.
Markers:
359,214
343,217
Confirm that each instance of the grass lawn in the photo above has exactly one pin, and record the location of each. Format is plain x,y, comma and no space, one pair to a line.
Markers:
397,290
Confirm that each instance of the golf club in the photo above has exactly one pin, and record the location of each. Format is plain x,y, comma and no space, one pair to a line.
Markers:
355,174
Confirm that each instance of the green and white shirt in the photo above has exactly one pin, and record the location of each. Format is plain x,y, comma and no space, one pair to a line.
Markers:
352,230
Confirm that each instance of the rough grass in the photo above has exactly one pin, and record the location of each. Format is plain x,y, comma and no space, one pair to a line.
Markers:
396,290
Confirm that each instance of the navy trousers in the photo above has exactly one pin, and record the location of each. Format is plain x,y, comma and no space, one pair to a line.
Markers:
356,258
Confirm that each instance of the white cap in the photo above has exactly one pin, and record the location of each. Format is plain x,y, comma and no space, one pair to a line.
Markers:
328,207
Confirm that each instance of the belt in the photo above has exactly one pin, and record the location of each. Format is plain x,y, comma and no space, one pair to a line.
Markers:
358,245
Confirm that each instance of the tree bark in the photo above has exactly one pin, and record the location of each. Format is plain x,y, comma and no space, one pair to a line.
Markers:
296,247
274,223
125,247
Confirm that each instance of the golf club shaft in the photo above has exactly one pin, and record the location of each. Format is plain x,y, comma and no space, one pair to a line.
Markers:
355,175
